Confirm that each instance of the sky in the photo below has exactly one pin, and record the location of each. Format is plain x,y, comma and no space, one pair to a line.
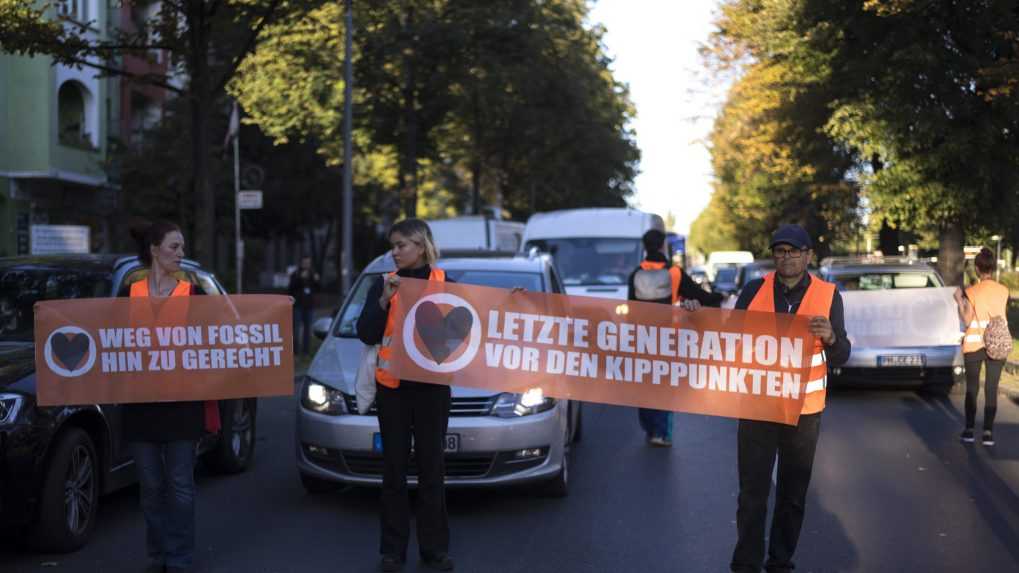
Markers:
654,44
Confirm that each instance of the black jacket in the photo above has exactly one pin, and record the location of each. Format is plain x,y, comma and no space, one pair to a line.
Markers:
837,353
687,287
371,325
303,289
164,421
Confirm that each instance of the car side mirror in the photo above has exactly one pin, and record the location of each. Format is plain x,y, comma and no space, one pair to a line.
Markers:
320,328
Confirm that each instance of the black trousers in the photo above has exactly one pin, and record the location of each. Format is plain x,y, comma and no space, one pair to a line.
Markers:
421,411
758,444
974,360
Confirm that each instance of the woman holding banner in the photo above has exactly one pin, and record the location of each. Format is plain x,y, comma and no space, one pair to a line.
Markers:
411,414
164,435
981,302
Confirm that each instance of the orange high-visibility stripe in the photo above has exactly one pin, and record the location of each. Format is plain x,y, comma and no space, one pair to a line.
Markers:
816,302
675,277
382,374
985,297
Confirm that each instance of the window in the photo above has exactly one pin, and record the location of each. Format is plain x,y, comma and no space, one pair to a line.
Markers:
592,261
72,120
886,280
21,286
77,10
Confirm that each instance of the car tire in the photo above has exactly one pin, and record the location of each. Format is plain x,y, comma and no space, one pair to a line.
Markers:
577,430
316,486
69,497
559,486
235,448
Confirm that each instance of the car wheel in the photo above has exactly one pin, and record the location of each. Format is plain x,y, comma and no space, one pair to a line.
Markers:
314,485
236,445
70,495
559,486
580,424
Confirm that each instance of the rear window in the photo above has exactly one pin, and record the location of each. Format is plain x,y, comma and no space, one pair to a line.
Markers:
886,280
23,286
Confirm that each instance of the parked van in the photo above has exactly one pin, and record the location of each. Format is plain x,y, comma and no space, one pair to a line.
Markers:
595,250
477,233
719,259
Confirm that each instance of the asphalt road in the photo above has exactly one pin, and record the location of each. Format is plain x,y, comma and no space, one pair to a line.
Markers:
893,490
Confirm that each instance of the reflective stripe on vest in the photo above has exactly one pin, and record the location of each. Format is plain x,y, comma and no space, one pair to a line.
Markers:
382,374
675,277
816,302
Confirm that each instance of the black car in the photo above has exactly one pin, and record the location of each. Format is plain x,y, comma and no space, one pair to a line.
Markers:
56,462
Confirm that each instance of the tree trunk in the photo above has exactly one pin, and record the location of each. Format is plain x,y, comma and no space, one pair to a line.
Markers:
204,241
951,260
410,119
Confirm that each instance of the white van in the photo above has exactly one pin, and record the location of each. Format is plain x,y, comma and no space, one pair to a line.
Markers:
595,250
477,233
719,259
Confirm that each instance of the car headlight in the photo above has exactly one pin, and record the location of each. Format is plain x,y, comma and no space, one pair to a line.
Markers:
10,405
533,401
320,398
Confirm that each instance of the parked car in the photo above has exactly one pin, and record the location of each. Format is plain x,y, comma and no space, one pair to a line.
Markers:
904,333
491,441
57,461
753,271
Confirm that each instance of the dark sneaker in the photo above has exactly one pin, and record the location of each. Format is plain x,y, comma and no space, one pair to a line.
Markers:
391,563
988,439
967,436
437,562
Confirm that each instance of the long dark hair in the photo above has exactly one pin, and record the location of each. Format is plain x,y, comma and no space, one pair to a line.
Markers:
151,235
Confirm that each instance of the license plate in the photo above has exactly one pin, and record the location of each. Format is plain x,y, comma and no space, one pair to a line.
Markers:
902,360
451,443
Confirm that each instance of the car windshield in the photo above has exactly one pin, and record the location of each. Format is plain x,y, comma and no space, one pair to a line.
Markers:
878,280
592,261
726,275
22,286
753,273
347,326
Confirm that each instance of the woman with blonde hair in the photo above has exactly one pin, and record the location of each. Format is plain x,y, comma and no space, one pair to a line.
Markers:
981,302
408,411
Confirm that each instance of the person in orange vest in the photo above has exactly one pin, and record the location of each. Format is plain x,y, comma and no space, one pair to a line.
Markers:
982,301
657,280
163,435
789,289
408,410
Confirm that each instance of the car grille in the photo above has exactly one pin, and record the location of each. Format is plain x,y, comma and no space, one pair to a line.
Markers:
457,465
460,407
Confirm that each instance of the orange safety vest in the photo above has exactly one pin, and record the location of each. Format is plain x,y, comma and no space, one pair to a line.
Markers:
382,374
816,302
675,276
988,299
183,288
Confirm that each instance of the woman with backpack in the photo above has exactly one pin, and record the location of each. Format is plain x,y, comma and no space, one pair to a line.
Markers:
987,342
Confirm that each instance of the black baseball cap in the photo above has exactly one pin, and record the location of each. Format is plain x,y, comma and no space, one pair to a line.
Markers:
793,235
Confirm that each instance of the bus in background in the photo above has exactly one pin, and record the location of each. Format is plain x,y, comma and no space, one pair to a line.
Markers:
595,250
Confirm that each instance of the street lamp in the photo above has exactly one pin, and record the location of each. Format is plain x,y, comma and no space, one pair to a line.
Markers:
997,257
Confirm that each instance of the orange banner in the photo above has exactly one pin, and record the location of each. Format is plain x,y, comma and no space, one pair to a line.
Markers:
728,363
120,350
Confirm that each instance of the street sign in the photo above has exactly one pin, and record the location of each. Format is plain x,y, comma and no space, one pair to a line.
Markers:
249,199
58,239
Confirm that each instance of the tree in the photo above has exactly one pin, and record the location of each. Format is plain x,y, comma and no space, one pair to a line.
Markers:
206,40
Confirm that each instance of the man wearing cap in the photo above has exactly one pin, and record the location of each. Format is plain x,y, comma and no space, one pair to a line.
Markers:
789,289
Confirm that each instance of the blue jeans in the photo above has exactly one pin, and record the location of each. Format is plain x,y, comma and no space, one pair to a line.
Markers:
166,476
656,422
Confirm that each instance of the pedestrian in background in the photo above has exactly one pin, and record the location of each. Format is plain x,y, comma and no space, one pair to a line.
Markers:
164,436
657,280
790,290
409,413
980,303
304,283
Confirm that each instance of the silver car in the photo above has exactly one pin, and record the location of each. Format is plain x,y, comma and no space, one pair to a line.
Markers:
493,438
903,323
